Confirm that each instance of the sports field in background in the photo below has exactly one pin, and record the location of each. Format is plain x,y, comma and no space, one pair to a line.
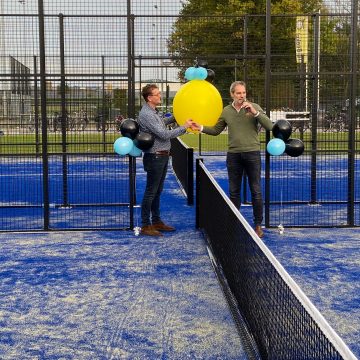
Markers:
93,142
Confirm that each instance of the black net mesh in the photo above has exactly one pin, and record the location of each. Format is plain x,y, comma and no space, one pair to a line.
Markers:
283,322
182,160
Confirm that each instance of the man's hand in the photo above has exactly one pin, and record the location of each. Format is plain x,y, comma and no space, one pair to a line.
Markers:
195,126
188,123
191,125
248,107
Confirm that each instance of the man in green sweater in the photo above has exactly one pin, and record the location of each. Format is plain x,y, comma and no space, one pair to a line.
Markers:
243,120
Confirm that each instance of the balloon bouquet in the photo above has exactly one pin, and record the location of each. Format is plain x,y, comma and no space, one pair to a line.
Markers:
198,99
283,143
132,141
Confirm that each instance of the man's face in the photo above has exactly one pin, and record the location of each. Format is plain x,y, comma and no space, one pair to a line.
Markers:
239,94
155,97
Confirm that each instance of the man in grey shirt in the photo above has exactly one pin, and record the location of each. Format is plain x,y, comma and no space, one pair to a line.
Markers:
155,159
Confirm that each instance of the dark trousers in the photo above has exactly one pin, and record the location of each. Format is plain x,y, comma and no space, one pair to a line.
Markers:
156,169
250,163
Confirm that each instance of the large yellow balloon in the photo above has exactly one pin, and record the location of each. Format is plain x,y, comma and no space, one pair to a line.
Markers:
198,100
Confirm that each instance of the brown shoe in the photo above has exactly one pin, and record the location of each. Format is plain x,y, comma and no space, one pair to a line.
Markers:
149,230
160,226
259,231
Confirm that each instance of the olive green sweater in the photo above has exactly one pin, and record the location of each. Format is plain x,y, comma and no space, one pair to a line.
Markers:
243,128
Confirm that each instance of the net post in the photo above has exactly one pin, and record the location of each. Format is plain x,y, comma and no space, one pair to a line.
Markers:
197,204
190,175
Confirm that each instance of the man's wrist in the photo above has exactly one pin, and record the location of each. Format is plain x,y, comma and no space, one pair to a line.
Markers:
257,114
201,128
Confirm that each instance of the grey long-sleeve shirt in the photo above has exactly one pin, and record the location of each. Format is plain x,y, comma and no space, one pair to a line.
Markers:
150,122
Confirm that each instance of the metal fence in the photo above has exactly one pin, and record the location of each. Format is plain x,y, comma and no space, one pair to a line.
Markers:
71,71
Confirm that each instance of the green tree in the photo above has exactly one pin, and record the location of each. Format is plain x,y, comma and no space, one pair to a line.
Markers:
120,100
230,34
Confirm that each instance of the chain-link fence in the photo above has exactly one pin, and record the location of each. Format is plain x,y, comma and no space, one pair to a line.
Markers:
72,71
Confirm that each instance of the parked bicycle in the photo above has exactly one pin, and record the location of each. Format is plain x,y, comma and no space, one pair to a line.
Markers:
104,125
101,123
81,120
336,119
57,122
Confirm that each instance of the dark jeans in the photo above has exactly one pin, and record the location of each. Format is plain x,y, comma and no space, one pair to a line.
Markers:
156,169
249,162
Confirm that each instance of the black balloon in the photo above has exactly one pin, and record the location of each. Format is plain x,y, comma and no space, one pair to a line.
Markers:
210,76
282,130
294,147
203,63
129,128
144,141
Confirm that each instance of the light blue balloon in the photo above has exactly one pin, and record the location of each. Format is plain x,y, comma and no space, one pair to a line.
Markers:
201,73
135,151
123,145
190,73
276,147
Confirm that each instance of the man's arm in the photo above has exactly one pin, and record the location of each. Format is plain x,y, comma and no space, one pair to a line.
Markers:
264,120
213,130
156,127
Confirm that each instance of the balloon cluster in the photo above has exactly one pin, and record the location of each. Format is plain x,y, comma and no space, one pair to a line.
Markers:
132,141
200,71
282,142
198,99
193,73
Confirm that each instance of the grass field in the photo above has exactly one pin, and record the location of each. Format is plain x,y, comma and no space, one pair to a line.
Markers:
325,141
95,142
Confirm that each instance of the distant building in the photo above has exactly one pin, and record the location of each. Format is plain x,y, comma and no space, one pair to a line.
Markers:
15,99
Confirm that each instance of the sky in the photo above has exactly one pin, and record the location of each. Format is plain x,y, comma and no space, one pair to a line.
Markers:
94,35
19,35
95,7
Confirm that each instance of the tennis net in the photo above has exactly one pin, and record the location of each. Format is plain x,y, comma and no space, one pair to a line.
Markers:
183,166
274,317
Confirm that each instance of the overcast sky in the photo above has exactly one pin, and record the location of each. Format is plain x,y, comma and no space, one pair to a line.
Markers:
95,36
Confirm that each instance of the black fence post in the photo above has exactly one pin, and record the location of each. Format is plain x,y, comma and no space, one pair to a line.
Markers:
103,119
352,113
43,114
64,114
267,106
314,124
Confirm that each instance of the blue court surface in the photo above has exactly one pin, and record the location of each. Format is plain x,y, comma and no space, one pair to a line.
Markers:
114,295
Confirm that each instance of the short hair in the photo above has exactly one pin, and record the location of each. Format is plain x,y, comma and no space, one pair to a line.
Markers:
236,83
147,90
